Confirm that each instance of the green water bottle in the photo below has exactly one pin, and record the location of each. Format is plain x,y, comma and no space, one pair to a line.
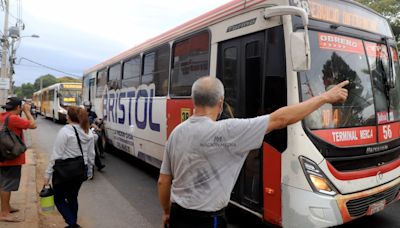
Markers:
47,199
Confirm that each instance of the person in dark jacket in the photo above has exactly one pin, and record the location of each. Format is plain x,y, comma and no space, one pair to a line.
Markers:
97,131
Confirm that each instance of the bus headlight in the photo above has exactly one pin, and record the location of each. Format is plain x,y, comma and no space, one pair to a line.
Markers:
62,111
316,178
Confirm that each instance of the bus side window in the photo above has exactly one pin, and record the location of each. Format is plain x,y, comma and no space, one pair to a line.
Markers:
114,77
161,70
101,83
148,68
131,73
156,68
191,58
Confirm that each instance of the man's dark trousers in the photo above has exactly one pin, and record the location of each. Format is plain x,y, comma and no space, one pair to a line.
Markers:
183,218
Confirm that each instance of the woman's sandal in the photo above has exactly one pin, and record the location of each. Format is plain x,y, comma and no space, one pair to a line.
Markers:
14,210
10,219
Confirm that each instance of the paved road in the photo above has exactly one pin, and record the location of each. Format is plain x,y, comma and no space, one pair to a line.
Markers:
125,194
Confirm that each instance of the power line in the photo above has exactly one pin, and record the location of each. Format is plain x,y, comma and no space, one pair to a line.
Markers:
48,67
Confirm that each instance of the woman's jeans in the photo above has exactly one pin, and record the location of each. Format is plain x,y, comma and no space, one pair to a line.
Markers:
66,200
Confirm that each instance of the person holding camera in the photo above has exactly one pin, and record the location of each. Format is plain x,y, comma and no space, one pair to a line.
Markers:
10,170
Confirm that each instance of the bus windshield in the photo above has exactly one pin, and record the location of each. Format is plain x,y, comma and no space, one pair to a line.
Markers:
337,58
70,97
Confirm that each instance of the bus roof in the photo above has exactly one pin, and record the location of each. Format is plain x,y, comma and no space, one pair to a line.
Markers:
57,85
220,13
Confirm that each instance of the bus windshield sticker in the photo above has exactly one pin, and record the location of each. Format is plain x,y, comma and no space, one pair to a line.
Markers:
376,50
383,117
340,43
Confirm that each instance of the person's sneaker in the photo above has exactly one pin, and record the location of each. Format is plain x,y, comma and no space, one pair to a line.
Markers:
101,167
73,226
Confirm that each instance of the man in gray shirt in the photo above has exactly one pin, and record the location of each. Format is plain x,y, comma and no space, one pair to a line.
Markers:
203,157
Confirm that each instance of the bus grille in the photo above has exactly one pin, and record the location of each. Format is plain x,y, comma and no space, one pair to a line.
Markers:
358,207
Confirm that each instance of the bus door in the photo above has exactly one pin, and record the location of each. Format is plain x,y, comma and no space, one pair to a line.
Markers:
240,69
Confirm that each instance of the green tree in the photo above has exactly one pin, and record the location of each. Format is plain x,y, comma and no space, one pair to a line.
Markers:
68,79
389,9
17,91
25,90
47,80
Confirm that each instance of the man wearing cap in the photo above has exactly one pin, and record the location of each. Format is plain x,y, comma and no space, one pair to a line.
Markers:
10,171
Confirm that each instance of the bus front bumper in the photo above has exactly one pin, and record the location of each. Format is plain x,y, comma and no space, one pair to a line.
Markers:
62,117
368,202
302,208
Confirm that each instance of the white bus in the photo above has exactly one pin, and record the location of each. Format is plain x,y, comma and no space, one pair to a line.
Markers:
339,164
54,100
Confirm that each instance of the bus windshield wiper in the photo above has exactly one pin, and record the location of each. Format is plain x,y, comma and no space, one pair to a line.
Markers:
386,87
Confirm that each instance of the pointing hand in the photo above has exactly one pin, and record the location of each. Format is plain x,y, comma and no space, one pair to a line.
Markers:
337,93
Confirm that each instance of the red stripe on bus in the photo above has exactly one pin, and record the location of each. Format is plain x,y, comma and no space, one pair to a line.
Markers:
175,109
272,185
362,173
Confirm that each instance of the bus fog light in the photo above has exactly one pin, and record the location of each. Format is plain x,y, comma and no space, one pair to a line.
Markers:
62,111
316,178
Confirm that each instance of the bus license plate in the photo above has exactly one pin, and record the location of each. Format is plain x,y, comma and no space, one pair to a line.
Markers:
376,207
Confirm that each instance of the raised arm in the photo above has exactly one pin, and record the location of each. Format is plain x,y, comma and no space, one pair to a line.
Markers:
26,108
294,113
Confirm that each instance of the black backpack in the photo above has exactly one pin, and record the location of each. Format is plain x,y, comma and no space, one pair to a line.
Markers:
11,146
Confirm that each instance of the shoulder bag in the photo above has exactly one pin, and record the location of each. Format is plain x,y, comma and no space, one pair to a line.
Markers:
11,146
70,169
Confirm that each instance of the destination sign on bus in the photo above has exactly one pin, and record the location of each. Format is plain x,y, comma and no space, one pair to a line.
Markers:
344,13
69,99
71,86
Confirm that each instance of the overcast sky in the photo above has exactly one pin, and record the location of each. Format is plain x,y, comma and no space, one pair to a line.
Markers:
77,34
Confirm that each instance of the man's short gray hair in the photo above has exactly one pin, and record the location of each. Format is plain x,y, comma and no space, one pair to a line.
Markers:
207,91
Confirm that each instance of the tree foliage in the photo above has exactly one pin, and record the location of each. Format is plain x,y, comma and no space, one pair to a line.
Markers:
47,80
389,9
25,90
68,79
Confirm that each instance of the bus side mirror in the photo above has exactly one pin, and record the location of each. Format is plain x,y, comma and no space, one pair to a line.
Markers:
300,51
299,41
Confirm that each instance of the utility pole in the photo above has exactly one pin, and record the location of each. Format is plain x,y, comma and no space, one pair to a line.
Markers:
5,81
